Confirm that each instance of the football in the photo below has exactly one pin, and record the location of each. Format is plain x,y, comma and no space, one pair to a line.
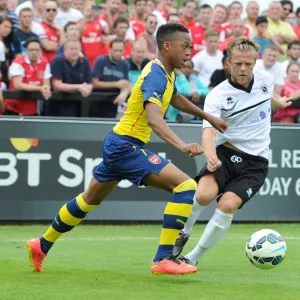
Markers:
266,249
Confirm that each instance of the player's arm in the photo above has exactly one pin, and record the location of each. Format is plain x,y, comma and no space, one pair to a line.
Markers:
183,104
160,127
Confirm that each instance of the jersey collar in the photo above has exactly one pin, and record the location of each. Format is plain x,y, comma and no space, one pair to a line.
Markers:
27,61
160,63
239,87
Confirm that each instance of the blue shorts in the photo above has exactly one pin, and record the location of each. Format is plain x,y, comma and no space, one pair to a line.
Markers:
125,157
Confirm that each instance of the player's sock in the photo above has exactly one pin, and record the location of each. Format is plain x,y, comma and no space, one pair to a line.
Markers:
195,213
70,215
176,213
214,231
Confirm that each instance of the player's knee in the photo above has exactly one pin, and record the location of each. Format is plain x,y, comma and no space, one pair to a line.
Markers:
187,185
229,206
203,198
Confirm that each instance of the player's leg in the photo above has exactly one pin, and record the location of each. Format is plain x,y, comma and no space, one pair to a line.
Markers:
207,191
217,225
177,209
69,216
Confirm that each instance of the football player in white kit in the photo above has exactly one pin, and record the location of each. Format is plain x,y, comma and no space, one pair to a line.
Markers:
237,161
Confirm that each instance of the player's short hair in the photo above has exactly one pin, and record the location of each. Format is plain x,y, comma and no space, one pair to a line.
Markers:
293,43
166,31
211,32
292,64
25,9
242,44
260,20
115,41
68,25
32,40
120,20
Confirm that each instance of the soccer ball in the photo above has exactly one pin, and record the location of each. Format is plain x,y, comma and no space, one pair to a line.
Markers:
266,249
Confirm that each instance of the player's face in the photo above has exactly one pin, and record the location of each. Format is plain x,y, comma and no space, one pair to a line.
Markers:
205,15
242,64
26,18
294,52
180,49
212,44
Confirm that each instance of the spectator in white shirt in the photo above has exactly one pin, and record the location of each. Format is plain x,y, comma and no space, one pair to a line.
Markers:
209,59
269,63
66,13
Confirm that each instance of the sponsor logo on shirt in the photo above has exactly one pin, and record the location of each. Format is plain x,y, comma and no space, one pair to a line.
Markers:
264,89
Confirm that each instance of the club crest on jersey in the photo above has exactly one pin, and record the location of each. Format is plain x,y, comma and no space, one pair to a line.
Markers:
264,89
154,159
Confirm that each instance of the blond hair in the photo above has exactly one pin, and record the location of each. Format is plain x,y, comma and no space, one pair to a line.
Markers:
242,44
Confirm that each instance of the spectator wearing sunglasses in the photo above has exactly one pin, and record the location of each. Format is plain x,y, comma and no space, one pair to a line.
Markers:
52,31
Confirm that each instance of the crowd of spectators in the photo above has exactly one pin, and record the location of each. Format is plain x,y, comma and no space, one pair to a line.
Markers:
77,46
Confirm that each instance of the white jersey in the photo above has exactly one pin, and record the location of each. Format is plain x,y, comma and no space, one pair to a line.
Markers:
246,111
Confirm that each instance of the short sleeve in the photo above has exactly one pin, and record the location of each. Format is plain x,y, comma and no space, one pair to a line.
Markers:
56,68
212,106
39,30
154,85
47,73
16,70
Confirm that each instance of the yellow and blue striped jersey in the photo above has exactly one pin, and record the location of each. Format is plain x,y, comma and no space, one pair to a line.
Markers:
154,85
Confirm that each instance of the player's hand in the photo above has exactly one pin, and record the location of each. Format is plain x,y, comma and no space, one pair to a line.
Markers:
217,123
284,102
192,149
213,163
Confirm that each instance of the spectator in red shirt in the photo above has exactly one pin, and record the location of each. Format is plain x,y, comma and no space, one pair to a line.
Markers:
91,33
238,28
52,30
173,19
30,73
166,7
188,14
235,11
137,21
198,31
120,28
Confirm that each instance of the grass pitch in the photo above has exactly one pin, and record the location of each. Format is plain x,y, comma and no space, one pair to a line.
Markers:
113,263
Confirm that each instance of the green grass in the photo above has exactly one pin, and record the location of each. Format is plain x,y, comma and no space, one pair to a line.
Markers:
112,263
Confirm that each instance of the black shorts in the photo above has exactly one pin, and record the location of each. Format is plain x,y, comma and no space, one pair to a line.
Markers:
240,173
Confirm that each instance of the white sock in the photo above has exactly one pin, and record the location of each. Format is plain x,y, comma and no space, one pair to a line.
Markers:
214,231
196,211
